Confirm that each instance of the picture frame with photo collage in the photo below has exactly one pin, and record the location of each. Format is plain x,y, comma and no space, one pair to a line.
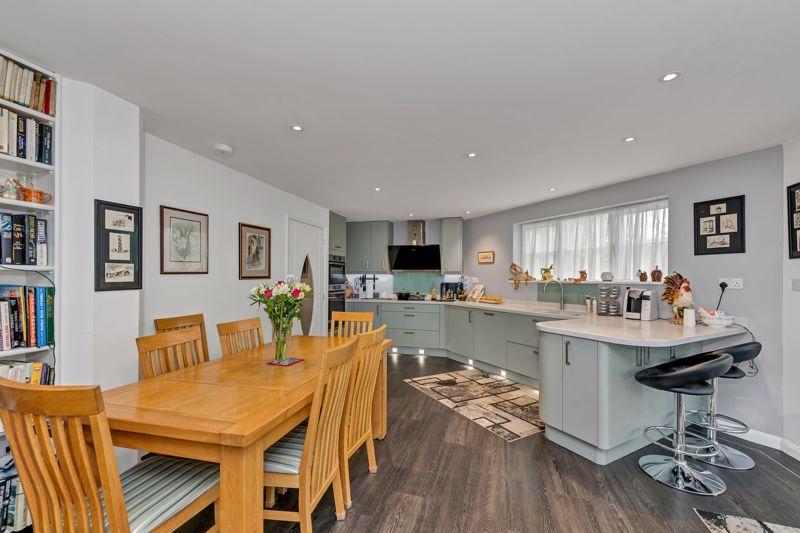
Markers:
793,202
117,246
719,226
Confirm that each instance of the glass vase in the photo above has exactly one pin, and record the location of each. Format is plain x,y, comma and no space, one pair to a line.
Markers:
281,330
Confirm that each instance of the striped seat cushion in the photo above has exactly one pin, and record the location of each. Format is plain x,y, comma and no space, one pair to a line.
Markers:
159,487
283,457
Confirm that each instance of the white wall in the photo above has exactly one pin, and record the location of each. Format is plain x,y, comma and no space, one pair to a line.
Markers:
178,178
791,314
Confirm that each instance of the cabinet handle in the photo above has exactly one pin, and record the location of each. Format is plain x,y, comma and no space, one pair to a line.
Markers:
469,316
411,308
412,316
566,353
646,356
638,356
383,264
445,263
408,332
488,314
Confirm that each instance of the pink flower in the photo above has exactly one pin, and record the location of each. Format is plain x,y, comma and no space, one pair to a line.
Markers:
296,293
267,293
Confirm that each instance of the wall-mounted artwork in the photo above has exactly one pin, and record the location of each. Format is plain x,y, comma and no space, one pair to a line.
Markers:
793,198
184,241
117,246
486,258
719,226
255,252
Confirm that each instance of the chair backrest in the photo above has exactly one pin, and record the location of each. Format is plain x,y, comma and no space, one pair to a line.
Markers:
61,474
235,337
357,419
170,351
347,324
325,421
182,322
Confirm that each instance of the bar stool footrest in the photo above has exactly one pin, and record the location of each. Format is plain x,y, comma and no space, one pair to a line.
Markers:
699,446
718,422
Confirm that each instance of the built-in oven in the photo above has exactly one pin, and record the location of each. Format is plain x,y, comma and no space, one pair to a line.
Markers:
336,285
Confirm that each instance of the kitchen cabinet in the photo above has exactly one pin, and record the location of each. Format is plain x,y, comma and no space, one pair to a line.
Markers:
451,249
521,329
380,239
522,359
580,382
460,338
411,338
368,247
410,320
337,229
359,238
366,307
490,337
551,383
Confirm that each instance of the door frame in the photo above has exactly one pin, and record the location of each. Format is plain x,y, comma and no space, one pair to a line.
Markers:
323,255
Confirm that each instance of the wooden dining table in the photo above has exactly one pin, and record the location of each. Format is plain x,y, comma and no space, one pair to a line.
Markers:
228,411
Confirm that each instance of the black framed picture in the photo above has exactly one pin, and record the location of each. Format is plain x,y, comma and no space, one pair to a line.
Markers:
117,246
719,226
793,199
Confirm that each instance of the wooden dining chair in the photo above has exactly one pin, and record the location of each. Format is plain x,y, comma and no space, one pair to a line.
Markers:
170,351
307,457
357,420
350,323
164,325
72,484
235,337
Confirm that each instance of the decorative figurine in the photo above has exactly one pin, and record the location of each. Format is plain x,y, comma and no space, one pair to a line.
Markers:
678,293
642,275
584,274
519,276
607,276
655,275
547,273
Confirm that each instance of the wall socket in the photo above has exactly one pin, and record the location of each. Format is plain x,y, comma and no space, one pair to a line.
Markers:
733,283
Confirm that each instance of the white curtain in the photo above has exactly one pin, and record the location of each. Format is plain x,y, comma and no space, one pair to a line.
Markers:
620,240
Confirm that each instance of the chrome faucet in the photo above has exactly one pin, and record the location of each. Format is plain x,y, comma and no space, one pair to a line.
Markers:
561,286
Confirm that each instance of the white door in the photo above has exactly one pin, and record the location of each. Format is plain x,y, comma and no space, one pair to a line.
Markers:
306,241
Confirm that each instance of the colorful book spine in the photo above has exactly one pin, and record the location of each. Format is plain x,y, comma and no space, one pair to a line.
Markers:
15,323
12,133
30,139
31,240
3,130
50,313
18,239
21,137
41,318
30,296
5,324
41,242
6,239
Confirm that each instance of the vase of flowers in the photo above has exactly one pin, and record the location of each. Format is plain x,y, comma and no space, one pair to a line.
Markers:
282,303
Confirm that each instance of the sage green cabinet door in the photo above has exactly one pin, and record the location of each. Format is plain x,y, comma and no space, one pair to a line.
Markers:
522,359
338,234
452,253
359,237
490,337
551,369
580,388
380,239
459,330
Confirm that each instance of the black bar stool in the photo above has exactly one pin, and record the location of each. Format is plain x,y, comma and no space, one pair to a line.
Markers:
685,376
714,422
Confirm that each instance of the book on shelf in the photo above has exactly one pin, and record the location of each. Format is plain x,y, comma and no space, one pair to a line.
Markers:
23,240
26,317
35,373
27,87
25,137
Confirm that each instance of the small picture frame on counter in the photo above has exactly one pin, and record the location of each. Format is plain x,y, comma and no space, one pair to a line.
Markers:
719,226
793,215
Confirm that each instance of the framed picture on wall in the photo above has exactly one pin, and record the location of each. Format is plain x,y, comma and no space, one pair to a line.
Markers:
255,251
486,258
719,226
117,246
184,241
793,199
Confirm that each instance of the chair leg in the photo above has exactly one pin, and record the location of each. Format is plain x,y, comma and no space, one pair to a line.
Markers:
373,463
304,507
269,497
344,473
338,497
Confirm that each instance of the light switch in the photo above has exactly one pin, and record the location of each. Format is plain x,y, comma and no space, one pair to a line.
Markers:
796,285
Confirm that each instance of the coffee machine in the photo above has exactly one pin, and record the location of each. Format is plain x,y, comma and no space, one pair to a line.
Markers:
640,304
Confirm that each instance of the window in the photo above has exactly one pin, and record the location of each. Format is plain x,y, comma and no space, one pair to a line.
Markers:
620,240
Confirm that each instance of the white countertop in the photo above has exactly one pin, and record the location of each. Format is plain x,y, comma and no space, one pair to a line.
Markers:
652,333
542,309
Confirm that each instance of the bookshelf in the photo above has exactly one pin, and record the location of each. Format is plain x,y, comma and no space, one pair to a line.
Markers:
45,177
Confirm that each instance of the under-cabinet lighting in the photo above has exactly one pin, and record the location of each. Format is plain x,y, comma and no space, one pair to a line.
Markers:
503,373
469,362
421,351
394,350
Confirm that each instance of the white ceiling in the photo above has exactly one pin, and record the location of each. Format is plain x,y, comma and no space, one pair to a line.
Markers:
395,93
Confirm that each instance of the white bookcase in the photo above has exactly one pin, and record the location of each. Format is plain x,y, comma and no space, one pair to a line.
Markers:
46,178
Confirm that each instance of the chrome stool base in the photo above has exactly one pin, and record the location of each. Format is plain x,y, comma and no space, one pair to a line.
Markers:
691,478
730,458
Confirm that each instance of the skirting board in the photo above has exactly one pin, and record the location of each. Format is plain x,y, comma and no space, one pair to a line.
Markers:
791,449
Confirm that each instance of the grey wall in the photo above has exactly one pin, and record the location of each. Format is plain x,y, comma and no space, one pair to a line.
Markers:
757,175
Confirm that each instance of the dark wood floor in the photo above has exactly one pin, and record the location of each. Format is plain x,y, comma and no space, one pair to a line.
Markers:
439,472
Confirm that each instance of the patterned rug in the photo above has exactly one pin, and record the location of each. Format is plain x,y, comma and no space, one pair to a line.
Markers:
504,407
725,523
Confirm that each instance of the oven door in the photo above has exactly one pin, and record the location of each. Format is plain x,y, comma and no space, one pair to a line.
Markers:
336,274
335,303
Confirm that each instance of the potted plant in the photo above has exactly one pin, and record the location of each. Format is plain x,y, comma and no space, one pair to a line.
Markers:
282,303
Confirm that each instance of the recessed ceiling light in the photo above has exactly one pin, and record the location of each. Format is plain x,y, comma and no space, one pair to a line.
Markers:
468,212
628,139
670,76
377,188
223,150
297,127
552,189
411,214
472,154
